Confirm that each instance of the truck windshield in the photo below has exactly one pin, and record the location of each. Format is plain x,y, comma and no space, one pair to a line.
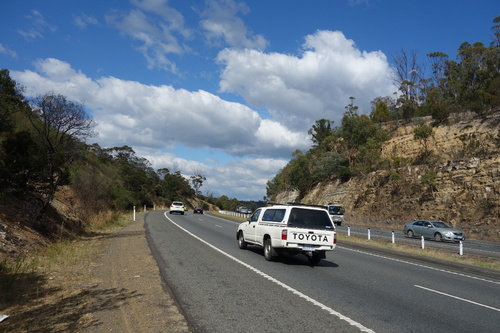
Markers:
336,210
309,218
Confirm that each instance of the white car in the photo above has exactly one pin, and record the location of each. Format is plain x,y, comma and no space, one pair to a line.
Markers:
177,207
293,229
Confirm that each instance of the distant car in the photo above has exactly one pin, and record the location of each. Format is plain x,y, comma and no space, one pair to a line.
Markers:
336,213
198,210
244,210
437,230
177,207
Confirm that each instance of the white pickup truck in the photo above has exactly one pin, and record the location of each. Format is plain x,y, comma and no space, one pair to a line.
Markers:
289,228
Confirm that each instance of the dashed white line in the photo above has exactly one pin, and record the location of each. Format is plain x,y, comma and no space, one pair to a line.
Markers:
420,265
459,298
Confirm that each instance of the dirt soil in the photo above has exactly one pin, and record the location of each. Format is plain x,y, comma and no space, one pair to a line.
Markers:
129,280
119,290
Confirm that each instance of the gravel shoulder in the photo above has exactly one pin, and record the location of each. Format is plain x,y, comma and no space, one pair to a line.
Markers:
130,295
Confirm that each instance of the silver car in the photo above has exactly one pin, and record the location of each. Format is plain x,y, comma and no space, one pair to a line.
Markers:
438,230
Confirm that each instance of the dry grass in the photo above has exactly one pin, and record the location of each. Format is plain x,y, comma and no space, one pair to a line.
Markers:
51,290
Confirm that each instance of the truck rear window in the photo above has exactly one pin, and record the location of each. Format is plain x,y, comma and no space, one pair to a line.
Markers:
309,218
274,215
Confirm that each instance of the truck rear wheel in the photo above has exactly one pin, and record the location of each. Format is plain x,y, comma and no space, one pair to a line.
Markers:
269,251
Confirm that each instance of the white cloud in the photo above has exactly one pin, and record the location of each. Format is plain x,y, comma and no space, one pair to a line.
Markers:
221,23
157,38
139,115
297,91
84,20
157,119
37,26
5,50
171,16
154,119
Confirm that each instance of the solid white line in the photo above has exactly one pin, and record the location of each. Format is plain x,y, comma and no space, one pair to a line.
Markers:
459,298
270,278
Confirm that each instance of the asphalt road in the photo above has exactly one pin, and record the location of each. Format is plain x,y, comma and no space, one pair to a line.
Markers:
221,288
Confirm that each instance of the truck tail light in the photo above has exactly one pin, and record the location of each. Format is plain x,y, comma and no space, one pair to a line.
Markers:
335,238
284,234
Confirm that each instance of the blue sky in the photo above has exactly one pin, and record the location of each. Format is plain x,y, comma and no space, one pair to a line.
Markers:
222,87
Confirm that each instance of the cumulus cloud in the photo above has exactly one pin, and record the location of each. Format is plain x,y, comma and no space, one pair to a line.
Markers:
154,119
221,23
139,115
298,90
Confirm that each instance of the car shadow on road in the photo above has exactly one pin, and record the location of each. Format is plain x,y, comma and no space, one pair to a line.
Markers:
292,260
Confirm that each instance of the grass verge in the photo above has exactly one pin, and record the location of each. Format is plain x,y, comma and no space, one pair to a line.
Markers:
49,291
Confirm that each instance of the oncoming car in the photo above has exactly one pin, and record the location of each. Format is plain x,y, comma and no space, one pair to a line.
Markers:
198,210
437,230
177,207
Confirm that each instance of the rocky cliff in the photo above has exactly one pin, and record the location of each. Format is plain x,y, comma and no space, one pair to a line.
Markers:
459,182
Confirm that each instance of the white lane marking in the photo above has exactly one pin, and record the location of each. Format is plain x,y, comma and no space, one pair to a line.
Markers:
270,278
456,297
218,226
420,265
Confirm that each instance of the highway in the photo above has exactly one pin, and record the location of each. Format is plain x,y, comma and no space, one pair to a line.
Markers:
221,288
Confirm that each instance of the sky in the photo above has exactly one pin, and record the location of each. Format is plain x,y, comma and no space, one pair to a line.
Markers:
223,88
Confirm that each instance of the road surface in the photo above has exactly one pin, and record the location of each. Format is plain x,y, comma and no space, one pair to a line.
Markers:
221,288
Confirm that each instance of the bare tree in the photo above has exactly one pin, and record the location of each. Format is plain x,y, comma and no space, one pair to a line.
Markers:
408,74
60,124
197,181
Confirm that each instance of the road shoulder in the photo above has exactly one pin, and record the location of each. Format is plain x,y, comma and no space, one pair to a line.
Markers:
130,295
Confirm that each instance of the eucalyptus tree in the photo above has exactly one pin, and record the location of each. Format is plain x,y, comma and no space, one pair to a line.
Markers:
60,126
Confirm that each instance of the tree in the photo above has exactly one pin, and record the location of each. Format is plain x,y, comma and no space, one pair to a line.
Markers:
320,131
330,164
408,75
439,65
357,129
60,124
11,101
440,110
17,149
422,134
496,31
197,182
300,176
381,113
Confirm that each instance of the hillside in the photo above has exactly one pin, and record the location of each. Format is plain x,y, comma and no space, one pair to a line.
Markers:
465,191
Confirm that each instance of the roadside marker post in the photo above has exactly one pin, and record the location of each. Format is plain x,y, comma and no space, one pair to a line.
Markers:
423,243
393,239
461,248
369,235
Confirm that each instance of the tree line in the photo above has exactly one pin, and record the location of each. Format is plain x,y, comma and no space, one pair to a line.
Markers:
43,147
471,83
